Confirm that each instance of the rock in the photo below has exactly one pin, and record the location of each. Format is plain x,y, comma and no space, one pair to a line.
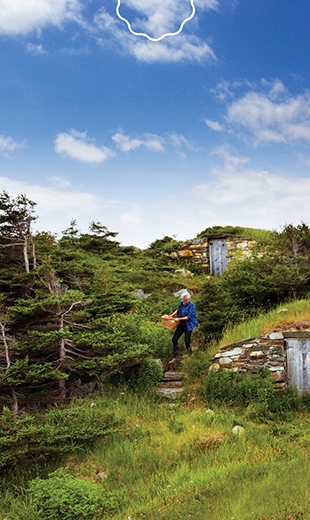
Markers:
275,335
280,386
184,272
171,393
170,384
214,366
173,376
257,354
230,353
209,411
225,362
179,293
238,430
278,376
141,294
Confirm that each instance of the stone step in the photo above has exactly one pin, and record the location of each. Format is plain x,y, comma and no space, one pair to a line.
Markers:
170,384
173,376
172,393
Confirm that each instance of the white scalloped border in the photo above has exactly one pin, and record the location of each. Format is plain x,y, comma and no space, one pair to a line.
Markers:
164,35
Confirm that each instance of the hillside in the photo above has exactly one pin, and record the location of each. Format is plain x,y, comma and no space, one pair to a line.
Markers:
81,331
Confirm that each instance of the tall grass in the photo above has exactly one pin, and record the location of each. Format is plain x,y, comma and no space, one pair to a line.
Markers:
177,461
173,461
283,316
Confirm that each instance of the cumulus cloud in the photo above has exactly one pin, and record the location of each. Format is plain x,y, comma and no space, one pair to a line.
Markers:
268,113
126,144
76,145
57,205
7,144
185,47
156,17
25,16
240,194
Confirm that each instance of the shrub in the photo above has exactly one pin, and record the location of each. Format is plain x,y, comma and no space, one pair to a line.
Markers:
256,390
63,496
150,374
58,432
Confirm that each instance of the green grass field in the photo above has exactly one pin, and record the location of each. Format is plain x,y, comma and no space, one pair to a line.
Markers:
175,460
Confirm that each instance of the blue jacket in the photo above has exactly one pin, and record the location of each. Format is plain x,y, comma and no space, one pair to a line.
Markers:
190,311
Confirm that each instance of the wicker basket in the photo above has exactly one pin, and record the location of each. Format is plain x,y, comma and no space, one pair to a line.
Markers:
169,323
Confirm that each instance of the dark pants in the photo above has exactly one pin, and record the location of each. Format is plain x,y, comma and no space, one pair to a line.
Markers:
181,329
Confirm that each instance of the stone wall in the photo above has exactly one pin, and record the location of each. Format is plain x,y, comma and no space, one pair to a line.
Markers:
266,351
198,250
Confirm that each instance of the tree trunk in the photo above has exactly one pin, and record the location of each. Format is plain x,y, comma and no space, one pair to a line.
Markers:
15,402
26,258
34,258
6,347
62,355
8,364
62,389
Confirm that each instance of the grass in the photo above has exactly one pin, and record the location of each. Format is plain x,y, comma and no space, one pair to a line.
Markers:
295,312
173,461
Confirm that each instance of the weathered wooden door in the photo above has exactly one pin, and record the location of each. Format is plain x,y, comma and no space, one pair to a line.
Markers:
218,256
298,364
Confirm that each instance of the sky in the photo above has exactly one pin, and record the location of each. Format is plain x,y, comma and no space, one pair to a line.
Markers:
154,138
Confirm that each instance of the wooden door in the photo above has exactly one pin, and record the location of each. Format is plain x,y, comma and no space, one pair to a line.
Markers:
298,364
218,256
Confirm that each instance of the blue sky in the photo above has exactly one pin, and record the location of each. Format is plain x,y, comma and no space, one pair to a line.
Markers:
210,127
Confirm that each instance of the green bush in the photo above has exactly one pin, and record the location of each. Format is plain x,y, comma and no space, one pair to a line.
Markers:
60,431
65,497
253,390
150,374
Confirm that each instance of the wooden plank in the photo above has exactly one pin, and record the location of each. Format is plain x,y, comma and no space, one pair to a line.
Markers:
306,366
297,334
295,365
218,256
298,364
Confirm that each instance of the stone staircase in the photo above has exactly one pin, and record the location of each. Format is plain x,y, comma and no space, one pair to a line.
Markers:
171,384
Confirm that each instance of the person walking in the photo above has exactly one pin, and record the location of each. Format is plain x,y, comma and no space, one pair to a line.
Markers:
187,321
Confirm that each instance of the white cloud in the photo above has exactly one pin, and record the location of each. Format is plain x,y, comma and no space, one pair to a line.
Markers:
156,17
184,47
179,141
76,145
271,116
152,142
131,220
25,16
56,207
59,182
238,194
179,48
214,125
7,144
34,48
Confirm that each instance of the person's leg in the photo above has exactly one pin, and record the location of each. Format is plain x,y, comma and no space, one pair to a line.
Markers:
176,336
188,334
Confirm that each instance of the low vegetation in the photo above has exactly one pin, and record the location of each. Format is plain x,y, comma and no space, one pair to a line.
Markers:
173,460
84,435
